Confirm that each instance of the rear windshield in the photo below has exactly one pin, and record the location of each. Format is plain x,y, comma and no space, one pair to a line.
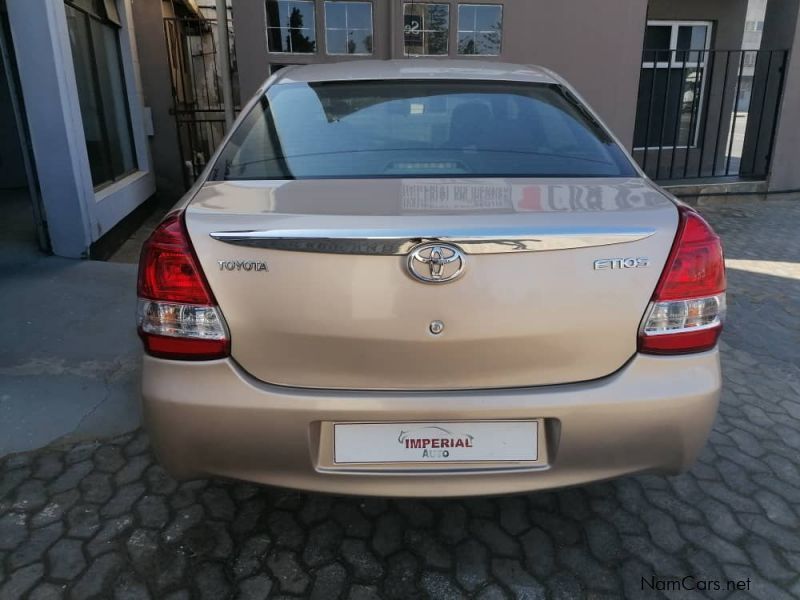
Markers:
369,129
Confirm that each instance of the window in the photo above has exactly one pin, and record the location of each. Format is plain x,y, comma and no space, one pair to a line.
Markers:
754,26
672,83
291,26
480,29
94,39
426,28
348,27
409,128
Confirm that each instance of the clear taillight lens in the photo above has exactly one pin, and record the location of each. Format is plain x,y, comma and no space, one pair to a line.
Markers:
181,320
177,315
679,315
681,326
688,306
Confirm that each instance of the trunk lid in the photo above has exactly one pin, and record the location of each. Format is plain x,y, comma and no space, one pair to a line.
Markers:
335,306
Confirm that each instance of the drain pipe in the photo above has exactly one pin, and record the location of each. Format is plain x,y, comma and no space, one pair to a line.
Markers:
223,61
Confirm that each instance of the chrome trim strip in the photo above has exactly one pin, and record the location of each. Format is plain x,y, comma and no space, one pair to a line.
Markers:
397,242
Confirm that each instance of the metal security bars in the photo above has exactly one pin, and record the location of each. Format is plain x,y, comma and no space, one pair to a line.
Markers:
197,99
705,113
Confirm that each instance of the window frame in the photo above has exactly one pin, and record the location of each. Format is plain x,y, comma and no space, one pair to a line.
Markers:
673,63
313,27
476,31
108,21
346,29
424,31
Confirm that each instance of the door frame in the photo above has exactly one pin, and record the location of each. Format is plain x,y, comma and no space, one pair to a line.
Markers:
9,67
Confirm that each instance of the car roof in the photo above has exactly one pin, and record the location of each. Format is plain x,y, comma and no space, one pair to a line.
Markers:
416,68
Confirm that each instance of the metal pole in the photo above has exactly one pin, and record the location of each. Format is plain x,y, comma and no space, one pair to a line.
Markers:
223,61
777,113
763,102
735,114
678,112
728,54
664,116
692,136
650,110
712,56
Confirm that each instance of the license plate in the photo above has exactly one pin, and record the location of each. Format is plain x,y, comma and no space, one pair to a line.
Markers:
463,441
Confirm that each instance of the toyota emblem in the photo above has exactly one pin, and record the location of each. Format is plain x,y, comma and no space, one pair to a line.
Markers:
436,263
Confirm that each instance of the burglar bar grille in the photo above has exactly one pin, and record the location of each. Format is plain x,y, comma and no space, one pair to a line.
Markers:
708,113
197,103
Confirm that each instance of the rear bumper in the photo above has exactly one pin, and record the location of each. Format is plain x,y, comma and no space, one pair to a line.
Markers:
212,419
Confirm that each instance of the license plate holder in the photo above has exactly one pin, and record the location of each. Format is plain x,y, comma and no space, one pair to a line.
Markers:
467,442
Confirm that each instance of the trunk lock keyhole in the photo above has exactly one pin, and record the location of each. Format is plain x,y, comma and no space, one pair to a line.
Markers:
436,327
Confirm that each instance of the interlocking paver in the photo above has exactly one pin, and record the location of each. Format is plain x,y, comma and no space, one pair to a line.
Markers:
364,564
401,576
102,519
289,572
389,534
257,587
329,582
66,559
323,544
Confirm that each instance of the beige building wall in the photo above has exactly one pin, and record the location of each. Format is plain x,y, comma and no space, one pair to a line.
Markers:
595,44
782,30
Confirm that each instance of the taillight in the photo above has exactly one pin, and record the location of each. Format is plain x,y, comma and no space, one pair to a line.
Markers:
177,315
688,306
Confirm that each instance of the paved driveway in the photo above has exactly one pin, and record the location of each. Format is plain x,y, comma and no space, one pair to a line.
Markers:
103,520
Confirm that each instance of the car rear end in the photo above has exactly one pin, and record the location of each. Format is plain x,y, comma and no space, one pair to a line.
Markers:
364,298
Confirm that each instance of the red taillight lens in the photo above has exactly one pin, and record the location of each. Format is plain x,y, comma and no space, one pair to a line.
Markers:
688,305
695,267
168,270
177,315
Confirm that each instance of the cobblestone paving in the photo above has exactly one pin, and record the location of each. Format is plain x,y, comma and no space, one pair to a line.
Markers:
103,520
